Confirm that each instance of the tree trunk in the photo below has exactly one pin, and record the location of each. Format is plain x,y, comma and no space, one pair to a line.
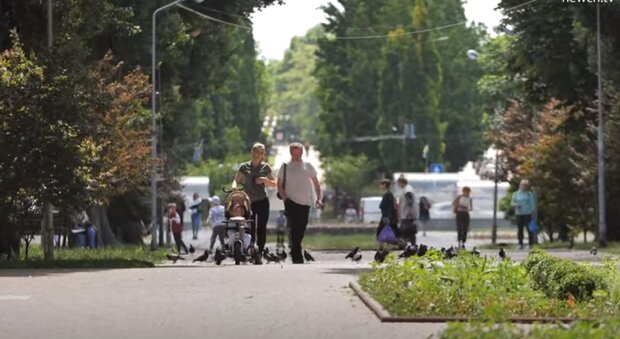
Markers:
98,215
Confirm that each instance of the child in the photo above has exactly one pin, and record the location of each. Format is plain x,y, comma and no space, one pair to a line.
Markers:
174,222
216,219
462,206
239,211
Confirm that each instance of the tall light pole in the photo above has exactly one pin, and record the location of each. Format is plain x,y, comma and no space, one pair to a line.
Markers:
154,125
154,109
472,54
602,225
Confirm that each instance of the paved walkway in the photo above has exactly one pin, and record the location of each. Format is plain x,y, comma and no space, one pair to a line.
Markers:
204,300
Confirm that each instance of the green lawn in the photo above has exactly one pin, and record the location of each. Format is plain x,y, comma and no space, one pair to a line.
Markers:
120,257
322,241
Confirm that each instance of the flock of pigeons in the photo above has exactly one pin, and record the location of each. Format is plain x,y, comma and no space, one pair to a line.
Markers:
411,250
219,256
355,255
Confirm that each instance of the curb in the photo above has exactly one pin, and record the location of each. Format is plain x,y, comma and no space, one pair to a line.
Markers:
385,317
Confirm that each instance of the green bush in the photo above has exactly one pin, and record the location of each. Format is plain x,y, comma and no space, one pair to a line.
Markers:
488,289
558,277
579,329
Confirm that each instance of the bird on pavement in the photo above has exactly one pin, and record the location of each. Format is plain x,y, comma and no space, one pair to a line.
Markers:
357,257
281,254
307,256
270,257
594,251
352,253
219,256
203,257
265,251
174,257
380,255
191,249
502,253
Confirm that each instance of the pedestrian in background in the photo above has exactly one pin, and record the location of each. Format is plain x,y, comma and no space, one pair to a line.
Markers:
296,192
463,204
174,222
524,204
388,216
424,214
408,213
196,213
217,215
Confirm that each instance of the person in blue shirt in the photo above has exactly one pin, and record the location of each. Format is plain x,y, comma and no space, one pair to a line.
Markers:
524,204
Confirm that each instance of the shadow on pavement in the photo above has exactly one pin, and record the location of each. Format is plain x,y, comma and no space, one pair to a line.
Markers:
347,271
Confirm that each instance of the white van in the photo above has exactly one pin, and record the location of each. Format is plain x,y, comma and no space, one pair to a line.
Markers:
189,186
369,209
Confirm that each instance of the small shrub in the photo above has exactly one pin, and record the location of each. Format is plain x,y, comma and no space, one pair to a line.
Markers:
558,277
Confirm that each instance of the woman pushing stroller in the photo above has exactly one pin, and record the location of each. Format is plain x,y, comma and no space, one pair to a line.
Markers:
255,175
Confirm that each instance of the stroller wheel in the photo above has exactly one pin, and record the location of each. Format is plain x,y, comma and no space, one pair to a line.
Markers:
238,253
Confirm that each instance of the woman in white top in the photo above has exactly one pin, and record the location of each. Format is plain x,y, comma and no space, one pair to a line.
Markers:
463,204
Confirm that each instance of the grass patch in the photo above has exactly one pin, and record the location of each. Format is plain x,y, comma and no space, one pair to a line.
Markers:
579,329
480,288
323,241
109,257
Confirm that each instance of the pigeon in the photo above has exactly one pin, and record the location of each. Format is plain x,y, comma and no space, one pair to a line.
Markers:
270,257
174,257
307,256
219,256
352,253
380,255
203,257
502,253
451,252
281,254
265,251
474,252
408,251
422,250
191,249
357,257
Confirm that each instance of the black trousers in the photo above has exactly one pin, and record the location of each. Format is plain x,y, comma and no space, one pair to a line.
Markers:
178,240
218,232
522,223
260,213
462,225
297,220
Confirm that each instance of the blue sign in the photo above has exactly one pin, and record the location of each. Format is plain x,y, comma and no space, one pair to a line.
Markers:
436,168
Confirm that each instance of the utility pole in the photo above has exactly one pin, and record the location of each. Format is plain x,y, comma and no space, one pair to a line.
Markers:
47,226
602,225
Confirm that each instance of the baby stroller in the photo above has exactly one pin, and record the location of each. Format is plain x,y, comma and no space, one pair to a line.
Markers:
238,224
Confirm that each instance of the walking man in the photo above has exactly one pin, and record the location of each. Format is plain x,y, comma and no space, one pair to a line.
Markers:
295,181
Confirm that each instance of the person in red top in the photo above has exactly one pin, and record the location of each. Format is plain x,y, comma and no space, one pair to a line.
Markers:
174,221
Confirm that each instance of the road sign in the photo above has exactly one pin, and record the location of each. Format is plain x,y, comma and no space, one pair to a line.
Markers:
436,168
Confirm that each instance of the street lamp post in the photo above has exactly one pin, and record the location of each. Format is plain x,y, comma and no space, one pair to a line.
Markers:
154,121
154,126
602,225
